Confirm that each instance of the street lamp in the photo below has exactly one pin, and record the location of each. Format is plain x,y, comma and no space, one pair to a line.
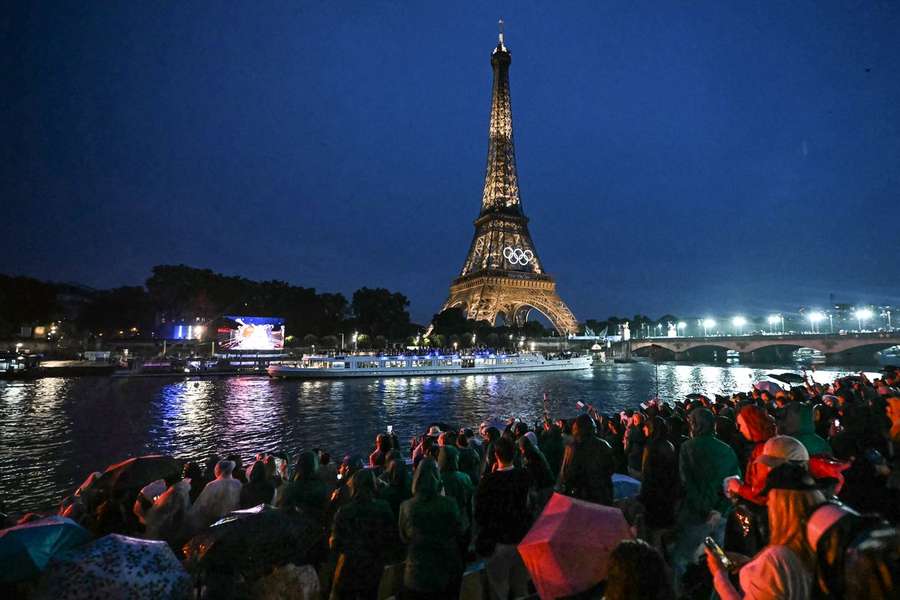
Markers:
887,314
862,315
814,318
707,325
455,346
739,323
681,326
773,319
354,339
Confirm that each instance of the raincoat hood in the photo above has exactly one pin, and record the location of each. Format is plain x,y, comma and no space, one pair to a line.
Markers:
307,466
807,421
258,472
427,480
756,424
448,459
362,485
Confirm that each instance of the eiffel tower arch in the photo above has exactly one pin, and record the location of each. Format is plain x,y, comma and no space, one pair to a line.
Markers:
502,273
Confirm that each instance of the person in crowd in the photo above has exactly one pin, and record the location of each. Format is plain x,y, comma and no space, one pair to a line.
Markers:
784,569
756,426
490,435
726,430
167,519
258,489
341,494
613,433
637,571
703,463
382,447
194,475
796,420
776,451
893,414
458,486
587,467
552,446
328,471
430,526
660,487
220,496
239,472
396,483
469,459
534,461
364,536
503,517
307,492
634,444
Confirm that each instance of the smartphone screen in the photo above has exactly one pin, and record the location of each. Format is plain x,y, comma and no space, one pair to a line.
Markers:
390,429
720,554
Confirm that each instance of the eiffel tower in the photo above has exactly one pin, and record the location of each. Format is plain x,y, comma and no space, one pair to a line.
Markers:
502,274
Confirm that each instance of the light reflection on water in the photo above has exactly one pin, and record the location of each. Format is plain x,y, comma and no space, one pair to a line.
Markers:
54,431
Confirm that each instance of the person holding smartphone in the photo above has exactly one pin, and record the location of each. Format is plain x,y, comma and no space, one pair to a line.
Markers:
784,568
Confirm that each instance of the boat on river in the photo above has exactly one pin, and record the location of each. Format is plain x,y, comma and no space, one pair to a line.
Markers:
367,365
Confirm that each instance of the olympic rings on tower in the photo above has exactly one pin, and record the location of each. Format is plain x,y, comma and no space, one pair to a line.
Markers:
517,256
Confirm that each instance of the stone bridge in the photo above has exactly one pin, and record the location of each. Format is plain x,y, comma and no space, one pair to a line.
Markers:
857,347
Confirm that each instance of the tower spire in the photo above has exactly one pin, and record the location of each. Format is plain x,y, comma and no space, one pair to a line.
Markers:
501,184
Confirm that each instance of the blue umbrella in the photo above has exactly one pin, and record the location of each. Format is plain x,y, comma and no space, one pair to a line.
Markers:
116,566
26,549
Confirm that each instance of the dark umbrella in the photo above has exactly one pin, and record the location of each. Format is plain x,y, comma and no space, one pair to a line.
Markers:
786,377
116,566
26,549
135,473
251,542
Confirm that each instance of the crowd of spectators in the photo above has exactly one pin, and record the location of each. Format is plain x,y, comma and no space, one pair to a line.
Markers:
800,486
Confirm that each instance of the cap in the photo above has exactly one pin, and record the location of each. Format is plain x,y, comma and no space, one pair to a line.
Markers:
790,476
781,449
823,518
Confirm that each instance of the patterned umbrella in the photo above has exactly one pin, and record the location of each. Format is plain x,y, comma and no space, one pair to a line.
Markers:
253,541
26,549
116,567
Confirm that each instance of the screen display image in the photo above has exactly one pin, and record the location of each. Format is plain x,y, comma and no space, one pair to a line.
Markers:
252,333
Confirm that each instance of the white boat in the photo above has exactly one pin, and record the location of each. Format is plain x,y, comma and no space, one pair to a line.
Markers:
363,365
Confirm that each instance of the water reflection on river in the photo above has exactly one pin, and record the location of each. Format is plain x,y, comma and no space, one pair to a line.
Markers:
54,431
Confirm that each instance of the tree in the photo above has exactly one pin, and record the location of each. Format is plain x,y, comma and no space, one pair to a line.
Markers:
121,308
381,312
25,301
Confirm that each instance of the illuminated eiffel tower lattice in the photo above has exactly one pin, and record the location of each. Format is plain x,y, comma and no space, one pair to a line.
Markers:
502,275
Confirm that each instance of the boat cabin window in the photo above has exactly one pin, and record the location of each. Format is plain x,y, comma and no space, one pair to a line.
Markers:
467,363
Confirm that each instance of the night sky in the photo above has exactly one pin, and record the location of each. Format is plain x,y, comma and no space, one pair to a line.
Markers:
673,157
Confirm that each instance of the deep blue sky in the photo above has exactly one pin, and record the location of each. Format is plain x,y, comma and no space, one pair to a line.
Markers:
683,157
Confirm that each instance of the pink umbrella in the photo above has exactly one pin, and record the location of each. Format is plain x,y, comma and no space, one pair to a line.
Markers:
567,549
768,386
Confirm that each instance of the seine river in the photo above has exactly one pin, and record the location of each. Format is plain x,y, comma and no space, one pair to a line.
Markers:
55,431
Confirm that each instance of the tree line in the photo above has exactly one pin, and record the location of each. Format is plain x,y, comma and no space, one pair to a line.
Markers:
179,293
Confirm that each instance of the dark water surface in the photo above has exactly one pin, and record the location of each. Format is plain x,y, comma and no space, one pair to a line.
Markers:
55,431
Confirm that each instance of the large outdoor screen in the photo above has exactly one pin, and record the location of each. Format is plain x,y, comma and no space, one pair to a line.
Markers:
252,333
